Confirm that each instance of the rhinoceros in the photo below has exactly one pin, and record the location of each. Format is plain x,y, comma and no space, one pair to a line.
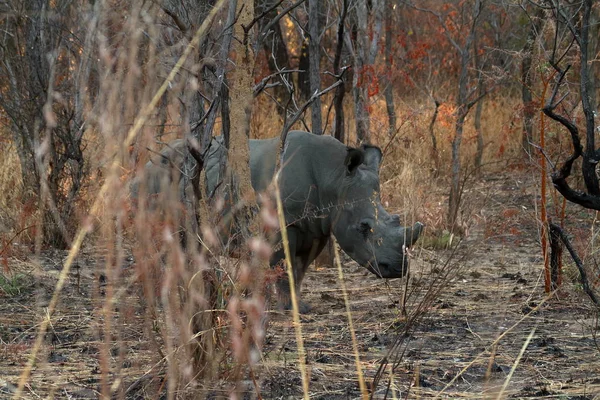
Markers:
326,187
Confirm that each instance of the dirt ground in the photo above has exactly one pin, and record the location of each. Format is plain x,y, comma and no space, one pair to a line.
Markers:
465,344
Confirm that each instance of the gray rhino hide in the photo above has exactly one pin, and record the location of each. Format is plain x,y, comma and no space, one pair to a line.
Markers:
327,188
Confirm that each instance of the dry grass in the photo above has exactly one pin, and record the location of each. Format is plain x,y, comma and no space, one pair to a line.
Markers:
11,187
140,306
133,313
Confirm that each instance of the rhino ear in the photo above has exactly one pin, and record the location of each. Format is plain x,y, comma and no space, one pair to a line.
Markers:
373,156
354,158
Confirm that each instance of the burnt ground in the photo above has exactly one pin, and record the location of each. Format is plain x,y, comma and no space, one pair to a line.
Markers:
463,343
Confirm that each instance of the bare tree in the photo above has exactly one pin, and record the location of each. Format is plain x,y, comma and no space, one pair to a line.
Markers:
389,89
576,20
275,48
338,101
360,51
466,98
479,107
527,82
315,63
587,151
45,73
194,116
241,95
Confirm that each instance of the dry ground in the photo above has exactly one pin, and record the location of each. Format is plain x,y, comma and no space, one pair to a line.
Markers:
498,291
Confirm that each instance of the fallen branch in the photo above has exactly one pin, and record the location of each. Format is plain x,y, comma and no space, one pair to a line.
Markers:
582,274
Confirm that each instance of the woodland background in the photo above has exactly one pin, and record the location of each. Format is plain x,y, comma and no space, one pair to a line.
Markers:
458,94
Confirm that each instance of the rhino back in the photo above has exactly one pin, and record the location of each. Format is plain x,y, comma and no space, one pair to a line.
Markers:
158,171
263,157
313,166
309,162
313,172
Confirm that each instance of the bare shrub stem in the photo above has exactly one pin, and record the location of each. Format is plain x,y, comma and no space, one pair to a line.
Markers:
113,171
294,298
361,379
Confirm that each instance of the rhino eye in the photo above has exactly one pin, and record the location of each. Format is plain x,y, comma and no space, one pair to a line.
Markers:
365,229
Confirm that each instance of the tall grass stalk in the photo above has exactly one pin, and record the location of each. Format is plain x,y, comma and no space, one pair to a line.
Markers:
494,344
516,363
361,379
100,197
294,299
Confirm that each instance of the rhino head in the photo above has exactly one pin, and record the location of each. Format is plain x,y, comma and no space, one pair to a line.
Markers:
369,234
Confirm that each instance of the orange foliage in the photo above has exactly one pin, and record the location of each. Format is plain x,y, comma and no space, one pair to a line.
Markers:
447,115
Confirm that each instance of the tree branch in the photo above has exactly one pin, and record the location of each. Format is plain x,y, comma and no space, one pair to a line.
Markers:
290,122
180,25
263,84
582,274
261,16
279,16
559,178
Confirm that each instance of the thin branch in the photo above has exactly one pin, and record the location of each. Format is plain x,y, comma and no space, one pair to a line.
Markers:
541,150
262,85
278,17
195,125
582,274
180,25
290,122
315,96
9,242
471,103
559,178
261,16
576,36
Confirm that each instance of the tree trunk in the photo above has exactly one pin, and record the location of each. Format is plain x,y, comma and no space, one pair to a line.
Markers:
376,26
303,74
593,49
435,154
221,94
359,91
590,161
275,48
389,89
478,108
191,172
455,187
241,95
479,131
462,106
527,82
340,91
314,65
455,180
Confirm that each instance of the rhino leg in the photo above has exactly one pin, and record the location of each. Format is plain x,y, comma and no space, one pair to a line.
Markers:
283,283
